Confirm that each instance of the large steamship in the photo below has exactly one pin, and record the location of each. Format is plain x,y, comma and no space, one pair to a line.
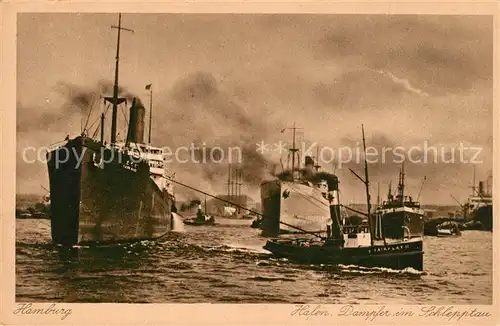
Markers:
299,198
110,192
479,206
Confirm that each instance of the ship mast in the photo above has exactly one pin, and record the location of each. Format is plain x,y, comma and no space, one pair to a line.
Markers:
115,86
229,182
378,193
149,87
239,184
293,150
367,186
317,166
233,185
102,124
474,182
401,185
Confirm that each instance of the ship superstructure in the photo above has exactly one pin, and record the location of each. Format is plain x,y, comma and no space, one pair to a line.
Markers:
399,216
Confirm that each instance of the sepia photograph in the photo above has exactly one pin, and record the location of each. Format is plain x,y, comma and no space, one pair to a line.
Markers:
254,158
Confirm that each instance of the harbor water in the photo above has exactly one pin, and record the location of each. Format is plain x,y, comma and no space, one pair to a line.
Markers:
225,263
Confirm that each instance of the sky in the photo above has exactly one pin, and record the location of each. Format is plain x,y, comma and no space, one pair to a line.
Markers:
236,80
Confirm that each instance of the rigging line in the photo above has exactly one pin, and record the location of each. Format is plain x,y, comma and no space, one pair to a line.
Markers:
342,209
98,118
354,210
310,200
242,207
125,129
92,125
95,132
124,115
314,198
323,208
57,142
97,128
90,111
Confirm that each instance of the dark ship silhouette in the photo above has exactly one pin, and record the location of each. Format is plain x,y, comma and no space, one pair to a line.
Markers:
400,216
479,206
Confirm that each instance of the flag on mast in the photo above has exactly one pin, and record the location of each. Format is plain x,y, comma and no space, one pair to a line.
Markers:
148,86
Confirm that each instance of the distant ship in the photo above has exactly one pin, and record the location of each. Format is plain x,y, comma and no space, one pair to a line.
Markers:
298,199
114,192
400,216
479,206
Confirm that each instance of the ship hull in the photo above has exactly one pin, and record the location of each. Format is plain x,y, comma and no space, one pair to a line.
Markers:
484,214
99,196
295,204
395,256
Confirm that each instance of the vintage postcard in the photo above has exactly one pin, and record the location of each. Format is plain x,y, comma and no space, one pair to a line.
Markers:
249,163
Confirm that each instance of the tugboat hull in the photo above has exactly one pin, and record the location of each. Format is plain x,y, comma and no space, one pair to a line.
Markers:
198,223
395,256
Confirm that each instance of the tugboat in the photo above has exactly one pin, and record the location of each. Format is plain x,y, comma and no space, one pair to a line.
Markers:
110,192
353,244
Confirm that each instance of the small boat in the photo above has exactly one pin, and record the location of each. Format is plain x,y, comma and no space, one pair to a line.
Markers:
24,215
256,224
201,218
208,220
448,229
444,232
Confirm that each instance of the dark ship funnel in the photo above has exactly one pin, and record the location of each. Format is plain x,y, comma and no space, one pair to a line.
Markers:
136,122
309,163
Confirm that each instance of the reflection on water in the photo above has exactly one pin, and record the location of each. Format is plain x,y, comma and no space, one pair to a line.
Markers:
178,223
226,263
